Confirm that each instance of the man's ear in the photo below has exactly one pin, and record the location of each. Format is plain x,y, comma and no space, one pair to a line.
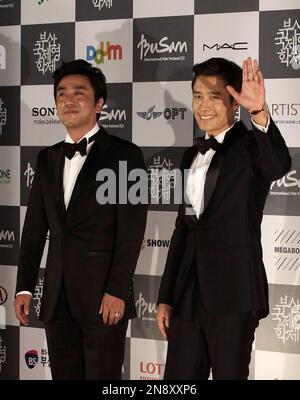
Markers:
235,104
99,105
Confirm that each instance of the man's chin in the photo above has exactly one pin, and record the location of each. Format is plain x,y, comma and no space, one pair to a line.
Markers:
70,123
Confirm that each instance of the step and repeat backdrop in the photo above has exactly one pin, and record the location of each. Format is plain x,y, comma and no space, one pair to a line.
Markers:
146,49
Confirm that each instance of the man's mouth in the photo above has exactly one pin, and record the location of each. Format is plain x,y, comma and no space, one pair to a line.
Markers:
206,117
71,112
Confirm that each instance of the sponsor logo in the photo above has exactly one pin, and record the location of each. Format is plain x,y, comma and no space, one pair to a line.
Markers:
5,176
285,109
112,52
287,249
31,358
47,52
45,116
148,49
2,57
3,295
168,113
44,111
41,2
283,113
226,46
102,3
151,370
287,39
158,243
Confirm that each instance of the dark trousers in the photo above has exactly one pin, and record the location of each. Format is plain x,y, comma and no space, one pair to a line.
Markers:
200,341
84,350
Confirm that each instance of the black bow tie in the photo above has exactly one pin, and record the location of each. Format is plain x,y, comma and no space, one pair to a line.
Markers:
204,145
71,148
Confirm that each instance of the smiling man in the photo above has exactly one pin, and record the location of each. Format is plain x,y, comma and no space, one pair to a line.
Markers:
93,248
214,288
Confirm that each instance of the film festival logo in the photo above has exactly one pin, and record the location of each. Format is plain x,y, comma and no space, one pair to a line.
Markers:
47,52
37,296
112,52
29,174
290,180
153,51
7,237
288,38
2,57
102,3
3,116
9,5
162,179
286,314
287,249
112,118
145,310
3,298
168,113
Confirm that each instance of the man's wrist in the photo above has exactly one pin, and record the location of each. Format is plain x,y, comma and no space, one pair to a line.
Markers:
259,110
260,116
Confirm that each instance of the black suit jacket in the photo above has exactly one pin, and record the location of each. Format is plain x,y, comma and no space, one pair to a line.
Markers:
93,247
225,243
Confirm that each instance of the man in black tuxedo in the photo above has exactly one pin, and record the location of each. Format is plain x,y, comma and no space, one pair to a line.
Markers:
214,288
93,248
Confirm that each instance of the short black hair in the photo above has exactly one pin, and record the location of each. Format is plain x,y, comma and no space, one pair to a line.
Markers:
227,70
82,67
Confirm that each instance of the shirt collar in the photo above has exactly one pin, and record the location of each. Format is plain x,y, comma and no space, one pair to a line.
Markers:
221,136
90,133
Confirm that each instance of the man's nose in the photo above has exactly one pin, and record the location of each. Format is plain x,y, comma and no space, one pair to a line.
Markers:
205,103
69,98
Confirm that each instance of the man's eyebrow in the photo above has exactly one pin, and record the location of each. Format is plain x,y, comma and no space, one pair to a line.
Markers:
73,87
211,92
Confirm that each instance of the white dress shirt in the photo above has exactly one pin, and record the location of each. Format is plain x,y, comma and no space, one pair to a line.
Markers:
73,166
199,167
71,170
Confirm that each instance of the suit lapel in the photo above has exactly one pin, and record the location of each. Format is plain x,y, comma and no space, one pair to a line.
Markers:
212,176
56,168
94,161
